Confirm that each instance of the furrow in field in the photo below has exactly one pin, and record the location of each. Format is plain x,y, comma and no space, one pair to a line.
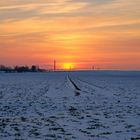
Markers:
73,85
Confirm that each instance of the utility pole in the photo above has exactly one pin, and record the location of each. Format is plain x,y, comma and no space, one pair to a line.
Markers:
54,65
93,68
70,68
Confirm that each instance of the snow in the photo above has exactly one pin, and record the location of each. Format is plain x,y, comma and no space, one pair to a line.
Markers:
48,106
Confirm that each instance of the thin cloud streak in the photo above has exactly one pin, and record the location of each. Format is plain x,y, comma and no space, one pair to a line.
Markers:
74,31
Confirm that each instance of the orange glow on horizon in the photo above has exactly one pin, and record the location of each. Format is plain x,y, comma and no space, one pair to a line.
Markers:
68,66
77,34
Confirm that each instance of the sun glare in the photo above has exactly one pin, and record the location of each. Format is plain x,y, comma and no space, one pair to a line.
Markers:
68,66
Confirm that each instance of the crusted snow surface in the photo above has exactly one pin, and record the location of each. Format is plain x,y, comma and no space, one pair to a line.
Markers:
88,105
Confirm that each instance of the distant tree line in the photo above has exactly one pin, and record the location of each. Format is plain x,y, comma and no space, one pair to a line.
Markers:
33,68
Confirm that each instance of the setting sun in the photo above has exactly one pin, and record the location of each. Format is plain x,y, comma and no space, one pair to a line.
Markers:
68,66
76,33
70,69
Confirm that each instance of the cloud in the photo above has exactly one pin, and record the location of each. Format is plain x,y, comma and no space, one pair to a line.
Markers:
20,10
102,27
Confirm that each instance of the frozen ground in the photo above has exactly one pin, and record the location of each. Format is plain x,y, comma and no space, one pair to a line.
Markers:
101,105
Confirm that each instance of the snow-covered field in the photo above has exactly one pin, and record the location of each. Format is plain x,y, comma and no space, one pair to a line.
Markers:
102,105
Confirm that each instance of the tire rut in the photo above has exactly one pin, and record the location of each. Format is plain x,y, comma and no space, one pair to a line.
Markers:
77,89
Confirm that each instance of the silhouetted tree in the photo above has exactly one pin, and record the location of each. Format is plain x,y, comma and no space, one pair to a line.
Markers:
34,68
21,69
2,67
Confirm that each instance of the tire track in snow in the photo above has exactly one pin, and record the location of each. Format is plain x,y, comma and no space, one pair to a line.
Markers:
74,86
89,84
86,87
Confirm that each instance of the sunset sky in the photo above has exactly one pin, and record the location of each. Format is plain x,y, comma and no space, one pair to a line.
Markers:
75,33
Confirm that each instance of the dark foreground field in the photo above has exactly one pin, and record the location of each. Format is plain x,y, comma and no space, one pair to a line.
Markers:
102,105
